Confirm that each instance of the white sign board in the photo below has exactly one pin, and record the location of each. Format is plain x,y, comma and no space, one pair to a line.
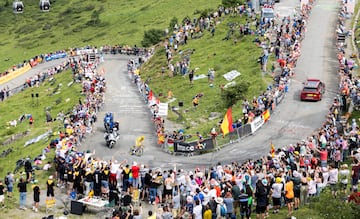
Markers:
256,123
163,109
231,75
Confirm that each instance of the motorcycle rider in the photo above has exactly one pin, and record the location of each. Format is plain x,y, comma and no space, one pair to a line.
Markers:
110,136
109,121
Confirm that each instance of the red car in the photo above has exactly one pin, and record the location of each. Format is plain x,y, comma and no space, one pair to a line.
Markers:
313,90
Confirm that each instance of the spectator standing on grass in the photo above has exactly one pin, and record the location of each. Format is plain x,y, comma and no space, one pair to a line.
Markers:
276,190
191,77
229,201
355,171
36,197
333,179
344,174
22,186
289,195
50,188
261,198
10,185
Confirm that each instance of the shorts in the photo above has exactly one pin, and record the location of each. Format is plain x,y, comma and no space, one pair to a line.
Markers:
168,192
260,209
289,200
50,193
105,184
2,198
333,187
36,198
9,188
297,193
276,201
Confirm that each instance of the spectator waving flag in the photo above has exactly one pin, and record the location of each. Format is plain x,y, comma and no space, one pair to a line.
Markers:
226,125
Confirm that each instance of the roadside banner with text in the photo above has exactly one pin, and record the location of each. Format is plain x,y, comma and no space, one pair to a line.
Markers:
190,147
256,124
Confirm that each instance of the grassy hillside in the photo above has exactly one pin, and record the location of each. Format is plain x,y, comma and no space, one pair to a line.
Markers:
78,23
204,53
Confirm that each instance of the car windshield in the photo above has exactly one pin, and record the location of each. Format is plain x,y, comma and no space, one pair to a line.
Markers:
268,14
309,90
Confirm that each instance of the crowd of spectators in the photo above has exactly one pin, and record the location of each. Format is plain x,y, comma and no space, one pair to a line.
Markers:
77,123
289,176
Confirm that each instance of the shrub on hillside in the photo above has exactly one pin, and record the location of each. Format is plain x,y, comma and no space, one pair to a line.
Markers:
173,21
152,37
234,93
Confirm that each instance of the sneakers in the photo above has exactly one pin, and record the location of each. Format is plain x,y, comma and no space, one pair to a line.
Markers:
33,208
36,210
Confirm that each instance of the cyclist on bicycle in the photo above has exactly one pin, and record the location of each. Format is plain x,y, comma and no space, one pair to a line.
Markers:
139,143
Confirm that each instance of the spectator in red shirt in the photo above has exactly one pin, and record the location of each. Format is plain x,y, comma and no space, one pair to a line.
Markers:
135,174
323,157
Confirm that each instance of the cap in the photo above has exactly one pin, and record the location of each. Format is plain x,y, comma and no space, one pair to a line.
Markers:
264,182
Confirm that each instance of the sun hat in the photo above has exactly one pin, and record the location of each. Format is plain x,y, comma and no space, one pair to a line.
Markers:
219,200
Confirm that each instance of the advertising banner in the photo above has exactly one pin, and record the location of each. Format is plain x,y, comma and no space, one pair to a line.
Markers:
190,147
256,124
15,74
55,56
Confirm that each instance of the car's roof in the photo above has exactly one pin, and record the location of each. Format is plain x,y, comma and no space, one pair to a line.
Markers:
267,10
312,83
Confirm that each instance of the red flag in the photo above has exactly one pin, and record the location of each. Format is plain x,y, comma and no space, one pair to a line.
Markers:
226,125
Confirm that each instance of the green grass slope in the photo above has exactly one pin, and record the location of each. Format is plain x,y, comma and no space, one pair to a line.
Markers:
209,52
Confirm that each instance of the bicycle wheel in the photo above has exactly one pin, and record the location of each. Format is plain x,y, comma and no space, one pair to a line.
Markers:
131,152
140,151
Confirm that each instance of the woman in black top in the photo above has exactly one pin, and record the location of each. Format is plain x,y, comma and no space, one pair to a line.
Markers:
23,190
36,190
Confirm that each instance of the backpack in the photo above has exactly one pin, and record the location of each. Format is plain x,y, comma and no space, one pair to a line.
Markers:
222,211
6,180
